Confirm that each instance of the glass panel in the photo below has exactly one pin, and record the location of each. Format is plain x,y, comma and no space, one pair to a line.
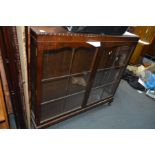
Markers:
116,56
52,109
78,83
56,62
54,89
99,78
95,95
61,106
111,75
73,102
106,76
107,58
108,91
101,93
82,60
122,54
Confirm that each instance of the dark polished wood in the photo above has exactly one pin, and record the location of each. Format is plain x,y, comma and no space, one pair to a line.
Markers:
69,76
10,55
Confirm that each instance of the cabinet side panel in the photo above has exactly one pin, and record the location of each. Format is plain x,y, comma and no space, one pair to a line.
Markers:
33,77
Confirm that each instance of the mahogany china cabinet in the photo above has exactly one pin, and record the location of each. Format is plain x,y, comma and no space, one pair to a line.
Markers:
70,75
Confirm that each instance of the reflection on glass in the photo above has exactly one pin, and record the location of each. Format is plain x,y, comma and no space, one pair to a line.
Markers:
78,83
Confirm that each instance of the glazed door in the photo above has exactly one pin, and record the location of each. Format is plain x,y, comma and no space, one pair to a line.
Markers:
65,72
112,63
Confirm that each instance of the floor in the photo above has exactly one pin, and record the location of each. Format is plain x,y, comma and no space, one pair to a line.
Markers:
129,110
12,121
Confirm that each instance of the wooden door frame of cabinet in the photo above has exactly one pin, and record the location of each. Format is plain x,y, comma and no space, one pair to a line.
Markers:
133,46
40,48
94,65
96,62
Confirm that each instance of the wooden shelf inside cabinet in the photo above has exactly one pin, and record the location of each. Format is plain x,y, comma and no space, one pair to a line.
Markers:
67,74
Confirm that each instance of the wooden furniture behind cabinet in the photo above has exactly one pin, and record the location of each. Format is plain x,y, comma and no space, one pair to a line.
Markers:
70,75
12,67
146,34
4,124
